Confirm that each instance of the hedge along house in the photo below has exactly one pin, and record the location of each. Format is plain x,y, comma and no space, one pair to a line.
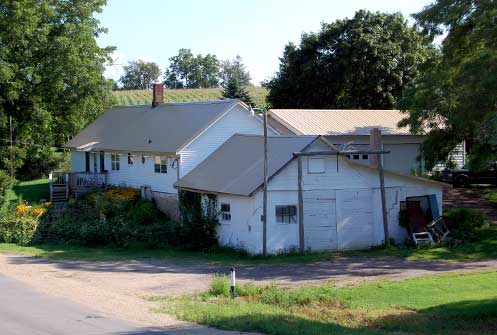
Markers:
152,146
341,202
350,128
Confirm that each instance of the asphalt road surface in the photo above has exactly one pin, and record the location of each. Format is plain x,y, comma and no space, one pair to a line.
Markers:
24,311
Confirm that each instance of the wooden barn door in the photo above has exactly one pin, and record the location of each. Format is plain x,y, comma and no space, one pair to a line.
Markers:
320,224
355,218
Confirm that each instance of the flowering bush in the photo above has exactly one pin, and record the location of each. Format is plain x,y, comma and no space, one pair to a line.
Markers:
22,209
25,210
122,194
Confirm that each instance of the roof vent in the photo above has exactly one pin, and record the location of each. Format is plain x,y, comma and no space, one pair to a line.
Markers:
158,94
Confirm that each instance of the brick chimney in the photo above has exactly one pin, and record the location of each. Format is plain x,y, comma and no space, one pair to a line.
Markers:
158,94
374,144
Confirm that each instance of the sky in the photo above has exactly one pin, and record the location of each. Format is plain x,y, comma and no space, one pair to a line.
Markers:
257,30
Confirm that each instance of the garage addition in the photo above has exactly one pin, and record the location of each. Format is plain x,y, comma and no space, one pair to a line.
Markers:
341,200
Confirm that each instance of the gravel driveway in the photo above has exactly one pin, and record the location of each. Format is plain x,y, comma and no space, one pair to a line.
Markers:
118,287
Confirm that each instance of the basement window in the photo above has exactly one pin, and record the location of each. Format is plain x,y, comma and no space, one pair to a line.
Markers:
355,157
160,164
131,159
365,157
286,214
115,163
225,212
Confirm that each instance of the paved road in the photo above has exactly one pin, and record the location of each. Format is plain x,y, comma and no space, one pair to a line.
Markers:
25,311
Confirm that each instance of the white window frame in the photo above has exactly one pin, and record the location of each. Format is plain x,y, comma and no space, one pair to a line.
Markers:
161,163
225,215
286,218
313,169
115,161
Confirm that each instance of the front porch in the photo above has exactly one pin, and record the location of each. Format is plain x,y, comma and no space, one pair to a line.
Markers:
64,184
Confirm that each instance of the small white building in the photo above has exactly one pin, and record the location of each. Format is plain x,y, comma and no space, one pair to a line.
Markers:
341,199
350,128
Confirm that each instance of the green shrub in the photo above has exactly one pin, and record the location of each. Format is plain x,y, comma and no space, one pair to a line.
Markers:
466,219
19,230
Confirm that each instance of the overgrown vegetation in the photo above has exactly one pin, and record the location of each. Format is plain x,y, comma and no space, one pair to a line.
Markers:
114,217
448,304
5,186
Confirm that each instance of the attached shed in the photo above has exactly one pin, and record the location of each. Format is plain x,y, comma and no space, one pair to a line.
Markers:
341,199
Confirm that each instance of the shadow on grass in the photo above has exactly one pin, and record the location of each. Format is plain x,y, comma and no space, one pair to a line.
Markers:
463,318
31,191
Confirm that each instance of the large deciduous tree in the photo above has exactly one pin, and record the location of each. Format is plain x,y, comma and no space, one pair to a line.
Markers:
139,75
362,62
189,71
51,76
455,96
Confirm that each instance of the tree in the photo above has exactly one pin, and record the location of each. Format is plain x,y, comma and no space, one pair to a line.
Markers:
234,70
189,71
51,75
363,62
454,97
233,89
139,75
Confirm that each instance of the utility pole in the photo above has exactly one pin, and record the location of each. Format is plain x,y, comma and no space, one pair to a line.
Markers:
264,205
11,131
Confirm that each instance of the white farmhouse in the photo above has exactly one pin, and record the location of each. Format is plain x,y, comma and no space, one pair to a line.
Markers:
152,146
341,202
351,128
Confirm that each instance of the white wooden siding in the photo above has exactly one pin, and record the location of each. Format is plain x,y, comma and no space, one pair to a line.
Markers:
141,174
342,209
235,121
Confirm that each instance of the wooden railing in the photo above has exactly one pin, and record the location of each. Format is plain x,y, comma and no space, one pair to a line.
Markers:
62,183
82,179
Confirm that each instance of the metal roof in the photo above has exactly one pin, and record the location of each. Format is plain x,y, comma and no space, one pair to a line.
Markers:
340,121
165,128
237,166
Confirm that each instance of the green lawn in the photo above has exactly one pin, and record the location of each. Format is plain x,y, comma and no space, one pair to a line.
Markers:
31,191
446,304
485,248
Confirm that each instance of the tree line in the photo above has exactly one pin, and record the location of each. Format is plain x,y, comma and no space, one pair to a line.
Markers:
52,83
187,70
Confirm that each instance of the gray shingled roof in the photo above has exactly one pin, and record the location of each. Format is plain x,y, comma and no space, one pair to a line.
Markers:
236,167
163,129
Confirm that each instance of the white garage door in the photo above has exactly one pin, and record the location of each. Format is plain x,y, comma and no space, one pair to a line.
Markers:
355,219
320,220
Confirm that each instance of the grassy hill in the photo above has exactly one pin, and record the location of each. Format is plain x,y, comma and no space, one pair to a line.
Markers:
140,97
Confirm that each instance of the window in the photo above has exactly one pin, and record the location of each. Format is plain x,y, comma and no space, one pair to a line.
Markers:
131,159
225,212
365,157
114,159
348,156
286,214
143,159
102,161
95,162
315,165
160,164
87,161
355,157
